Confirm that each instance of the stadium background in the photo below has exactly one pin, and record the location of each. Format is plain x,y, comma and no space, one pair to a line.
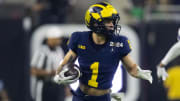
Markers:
157,31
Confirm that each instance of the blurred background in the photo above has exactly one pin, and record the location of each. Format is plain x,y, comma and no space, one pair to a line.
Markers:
24,28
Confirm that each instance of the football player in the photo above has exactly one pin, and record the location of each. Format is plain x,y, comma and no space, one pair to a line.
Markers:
98,52
172,54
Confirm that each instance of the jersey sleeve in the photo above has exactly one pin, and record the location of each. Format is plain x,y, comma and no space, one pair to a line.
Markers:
126,47
73,42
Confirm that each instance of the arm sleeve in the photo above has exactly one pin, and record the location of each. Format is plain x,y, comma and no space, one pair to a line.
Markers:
73,42
172,53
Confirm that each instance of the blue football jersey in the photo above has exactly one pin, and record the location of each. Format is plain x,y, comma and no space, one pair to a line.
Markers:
98,63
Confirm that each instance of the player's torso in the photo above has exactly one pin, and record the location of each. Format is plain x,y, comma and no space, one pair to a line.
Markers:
98,65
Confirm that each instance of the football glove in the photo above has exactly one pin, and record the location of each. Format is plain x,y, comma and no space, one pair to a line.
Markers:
144,74
63,78
117,96
161,73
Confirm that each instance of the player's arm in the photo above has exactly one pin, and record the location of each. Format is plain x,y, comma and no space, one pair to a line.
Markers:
130,65
69,57
172,54
71,54
67,62
134,70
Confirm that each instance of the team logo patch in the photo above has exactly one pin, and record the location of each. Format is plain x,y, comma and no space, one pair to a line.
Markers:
116,44
82,47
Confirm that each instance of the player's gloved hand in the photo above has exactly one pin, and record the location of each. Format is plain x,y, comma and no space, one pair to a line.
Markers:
161,73
61,78
117,96
145,74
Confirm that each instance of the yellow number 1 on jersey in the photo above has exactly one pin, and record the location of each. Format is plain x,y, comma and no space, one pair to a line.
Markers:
94,67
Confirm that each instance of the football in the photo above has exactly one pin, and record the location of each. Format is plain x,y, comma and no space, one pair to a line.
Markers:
72,71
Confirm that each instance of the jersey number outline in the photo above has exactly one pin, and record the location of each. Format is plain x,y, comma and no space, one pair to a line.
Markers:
94,67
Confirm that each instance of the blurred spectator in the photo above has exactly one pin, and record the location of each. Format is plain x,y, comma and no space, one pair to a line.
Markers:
52,11
164,2
131,11
138,10
123,7
3,93
150,6
44,62
175,2
172,83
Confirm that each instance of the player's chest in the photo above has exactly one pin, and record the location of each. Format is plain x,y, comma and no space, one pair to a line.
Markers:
107,51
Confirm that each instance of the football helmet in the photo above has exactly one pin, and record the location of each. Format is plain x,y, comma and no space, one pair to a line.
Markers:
96,16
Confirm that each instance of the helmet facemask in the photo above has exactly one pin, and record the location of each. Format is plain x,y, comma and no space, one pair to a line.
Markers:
99,26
